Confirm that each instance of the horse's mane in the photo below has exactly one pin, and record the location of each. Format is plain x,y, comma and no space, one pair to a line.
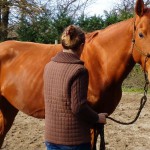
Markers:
91,35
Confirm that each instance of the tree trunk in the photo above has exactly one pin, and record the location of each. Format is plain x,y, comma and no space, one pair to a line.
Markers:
4,18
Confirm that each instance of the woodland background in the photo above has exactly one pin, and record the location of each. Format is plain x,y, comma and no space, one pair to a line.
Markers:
44,20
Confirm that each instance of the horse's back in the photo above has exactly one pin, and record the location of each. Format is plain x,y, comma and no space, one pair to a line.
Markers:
22,66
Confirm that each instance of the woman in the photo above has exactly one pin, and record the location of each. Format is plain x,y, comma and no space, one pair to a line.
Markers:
68,117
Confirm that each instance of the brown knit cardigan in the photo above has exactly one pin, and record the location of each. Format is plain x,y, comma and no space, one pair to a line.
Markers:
67,115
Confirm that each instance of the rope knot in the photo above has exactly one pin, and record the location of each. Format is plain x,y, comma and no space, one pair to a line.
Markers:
133,40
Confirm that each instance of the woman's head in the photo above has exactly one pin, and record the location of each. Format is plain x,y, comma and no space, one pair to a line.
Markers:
72,38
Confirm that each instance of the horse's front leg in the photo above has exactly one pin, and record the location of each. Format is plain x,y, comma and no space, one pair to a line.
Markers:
94,136
7,116
98,130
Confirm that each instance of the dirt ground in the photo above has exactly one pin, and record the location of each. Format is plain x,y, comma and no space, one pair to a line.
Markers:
27,132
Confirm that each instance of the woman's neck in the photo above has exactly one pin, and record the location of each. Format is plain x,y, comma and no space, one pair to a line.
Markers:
71,51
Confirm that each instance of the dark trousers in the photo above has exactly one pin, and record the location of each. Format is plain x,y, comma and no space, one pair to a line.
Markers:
51,146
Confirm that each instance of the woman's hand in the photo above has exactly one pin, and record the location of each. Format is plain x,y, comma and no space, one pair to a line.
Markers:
102,117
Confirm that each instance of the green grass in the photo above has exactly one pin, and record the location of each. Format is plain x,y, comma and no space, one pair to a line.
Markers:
135,81
136,90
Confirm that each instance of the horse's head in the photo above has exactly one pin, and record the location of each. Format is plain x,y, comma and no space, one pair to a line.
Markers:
141,36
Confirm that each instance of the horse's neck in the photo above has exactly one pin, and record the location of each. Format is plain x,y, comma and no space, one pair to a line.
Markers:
118,49
108,56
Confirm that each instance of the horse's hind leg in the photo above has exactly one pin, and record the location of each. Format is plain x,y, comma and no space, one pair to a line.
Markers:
7,116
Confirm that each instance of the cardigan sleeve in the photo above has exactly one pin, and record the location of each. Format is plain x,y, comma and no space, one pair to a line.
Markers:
79,105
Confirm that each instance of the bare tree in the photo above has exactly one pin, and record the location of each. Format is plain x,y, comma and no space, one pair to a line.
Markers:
127,5
11,11
147,2
72,8
4,15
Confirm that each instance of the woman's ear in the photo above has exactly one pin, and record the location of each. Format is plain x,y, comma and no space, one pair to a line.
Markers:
80,49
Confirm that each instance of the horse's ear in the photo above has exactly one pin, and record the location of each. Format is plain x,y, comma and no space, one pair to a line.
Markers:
139,8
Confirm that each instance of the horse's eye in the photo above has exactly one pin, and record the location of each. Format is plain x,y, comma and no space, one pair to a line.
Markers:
141,35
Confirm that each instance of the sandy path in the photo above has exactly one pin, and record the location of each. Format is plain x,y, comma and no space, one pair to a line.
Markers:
27,132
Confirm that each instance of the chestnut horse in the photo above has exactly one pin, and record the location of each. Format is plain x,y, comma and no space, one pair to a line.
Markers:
109,56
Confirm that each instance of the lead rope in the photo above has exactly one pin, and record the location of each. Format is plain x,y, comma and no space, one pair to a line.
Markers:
142,102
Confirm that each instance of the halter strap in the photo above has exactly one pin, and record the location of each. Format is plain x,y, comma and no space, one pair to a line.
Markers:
134,42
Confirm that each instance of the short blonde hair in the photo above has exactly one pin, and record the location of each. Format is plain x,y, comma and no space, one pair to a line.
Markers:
72,37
